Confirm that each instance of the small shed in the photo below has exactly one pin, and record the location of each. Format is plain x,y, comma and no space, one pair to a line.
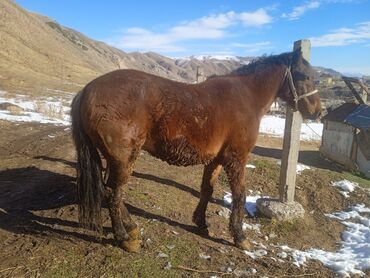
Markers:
346,136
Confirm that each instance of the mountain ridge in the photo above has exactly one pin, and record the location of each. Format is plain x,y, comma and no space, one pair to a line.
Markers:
37,54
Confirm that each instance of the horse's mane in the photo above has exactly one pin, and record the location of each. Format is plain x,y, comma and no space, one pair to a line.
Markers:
262,62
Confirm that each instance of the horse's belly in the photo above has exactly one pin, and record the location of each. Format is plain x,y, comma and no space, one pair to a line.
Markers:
179,152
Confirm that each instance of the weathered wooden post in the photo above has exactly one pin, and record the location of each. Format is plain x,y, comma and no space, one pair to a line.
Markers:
361,96
291,142
286,208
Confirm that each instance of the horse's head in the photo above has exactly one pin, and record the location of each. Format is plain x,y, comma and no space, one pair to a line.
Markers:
299,87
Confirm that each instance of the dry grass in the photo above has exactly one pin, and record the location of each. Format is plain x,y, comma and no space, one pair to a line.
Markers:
50,110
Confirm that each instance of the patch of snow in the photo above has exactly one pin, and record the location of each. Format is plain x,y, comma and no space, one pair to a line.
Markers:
354,255
261,245
251,166
272,235
168,266
275,126
282,255
300,167
30,117
204,256
171,246
162,255
244,273
58,91
224,212
42,111
252,271
250,202
182,62
254,227
256,254
216,57
345,186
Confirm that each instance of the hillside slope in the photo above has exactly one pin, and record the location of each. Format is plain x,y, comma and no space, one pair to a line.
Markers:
39,55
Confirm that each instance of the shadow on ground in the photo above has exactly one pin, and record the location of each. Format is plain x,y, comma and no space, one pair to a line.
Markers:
309,158
28,194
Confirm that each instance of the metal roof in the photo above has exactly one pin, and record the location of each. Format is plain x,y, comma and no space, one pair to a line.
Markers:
357,115
340,113
360,117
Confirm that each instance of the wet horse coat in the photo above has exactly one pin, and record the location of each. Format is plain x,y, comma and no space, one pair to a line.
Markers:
213,123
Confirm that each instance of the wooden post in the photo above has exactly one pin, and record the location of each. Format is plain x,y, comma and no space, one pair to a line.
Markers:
364,91
198,75
348,81
364,95
285,208
290,154
291,142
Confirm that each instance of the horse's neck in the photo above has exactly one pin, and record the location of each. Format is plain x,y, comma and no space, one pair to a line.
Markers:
266,85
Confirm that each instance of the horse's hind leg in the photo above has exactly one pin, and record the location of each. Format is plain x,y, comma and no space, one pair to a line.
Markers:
120,146
125,230
209,180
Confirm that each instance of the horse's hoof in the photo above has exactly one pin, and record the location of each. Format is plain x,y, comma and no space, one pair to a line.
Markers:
132,245
244,244
134,233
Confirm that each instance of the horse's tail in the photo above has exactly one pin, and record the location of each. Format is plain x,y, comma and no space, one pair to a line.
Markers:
90,186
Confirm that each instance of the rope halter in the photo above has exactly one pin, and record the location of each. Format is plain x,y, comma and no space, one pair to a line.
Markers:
296,97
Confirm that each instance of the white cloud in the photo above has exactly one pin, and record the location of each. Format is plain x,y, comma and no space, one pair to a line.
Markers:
344,36
308,5
208,27
257,18
142,39
300,10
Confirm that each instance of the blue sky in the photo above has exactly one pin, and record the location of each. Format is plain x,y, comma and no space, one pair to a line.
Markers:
339,30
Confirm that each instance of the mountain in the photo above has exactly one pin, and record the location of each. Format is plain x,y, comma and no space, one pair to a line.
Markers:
322,70
39,55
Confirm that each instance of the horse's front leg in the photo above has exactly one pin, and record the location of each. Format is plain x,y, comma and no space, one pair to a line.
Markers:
235,171
210,177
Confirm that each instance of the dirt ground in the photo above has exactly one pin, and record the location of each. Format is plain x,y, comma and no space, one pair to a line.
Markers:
40,235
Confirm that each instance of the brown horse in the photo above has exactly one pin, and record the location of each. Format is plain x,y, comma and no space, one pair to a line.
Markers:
214,123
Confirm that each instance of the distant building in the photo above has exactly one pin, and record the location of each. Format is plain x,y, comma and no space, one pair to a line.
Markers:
200,76
277,107
325,79
346,137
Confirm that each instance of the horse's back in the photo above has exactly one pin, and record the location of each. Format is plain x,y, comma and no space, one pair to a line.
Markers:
183,124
